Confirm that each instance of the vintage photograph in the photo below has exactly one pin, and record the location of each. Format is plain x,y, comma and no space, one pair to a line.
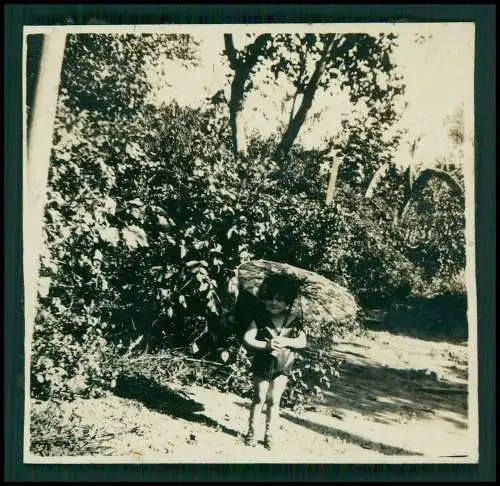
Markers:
250,244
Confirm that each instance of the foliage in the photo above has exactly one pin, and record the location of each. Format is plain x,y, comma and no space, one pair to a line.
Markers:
77,359
93,76
352,241
149,213
237,377
53,433
443,285
358,64
365,144
92,227
455,124
311,375
146,248
434,230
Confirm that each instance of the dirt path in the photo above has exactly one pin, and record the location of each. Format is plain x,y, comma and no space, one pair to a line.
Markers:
403,392
399,399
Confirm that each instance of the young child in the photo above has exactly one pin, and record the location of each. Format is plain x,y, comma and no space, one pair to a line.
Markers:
272,338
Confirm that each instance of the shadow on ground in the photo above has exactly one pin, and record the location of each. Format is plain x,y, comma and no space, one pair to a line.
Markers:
390,395
349,437
164,400
341,434
461,373
442,318
394,396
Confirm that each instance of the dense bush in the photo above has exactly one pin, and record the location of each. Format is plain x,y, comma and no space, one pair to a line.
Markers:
443,317
143,241
76,359
434,228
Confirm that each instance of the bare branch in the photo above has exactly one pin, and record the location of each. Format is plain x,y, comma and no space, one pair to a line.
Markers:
377,177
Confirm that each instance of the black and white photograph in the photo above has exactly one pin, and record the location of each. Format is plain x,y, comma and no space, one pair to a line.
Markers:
250,244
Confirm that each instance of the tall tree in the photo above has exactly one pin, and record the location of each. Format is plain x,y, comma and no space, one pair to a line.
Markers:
357,63
38,157
243,63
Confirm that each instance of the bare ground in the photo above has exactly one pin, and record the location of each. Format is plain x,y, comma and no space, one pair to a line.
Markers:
399,399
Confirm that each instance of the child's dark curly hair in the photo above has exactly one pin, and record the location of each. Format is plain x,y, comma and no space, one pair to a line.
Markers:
281,284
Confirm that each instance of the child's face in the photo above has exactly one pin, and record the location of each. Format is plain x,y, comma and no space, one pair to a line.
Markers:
276,304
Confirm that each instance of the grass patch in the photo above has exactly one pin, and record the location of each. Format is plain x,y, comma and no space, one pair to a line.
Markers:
55,432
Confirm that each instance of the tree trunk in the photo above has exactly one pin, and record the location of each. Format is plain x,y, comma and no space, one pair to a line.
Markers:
292,110
296,123
332,183
235,112
39,147
237,93
242,68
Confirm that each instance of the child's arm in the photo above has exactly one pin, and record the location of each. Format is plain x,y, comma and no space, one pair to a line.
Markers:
249,338
299,342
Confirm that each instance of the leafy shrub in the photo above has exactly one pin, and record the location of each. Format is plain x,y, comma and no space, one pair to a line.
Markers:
77,360
434,230
237,377
312,374
443,317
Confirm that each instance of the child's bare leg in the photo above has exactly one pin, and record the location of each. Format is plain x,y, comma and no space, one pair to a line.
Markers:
276,389
261,387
